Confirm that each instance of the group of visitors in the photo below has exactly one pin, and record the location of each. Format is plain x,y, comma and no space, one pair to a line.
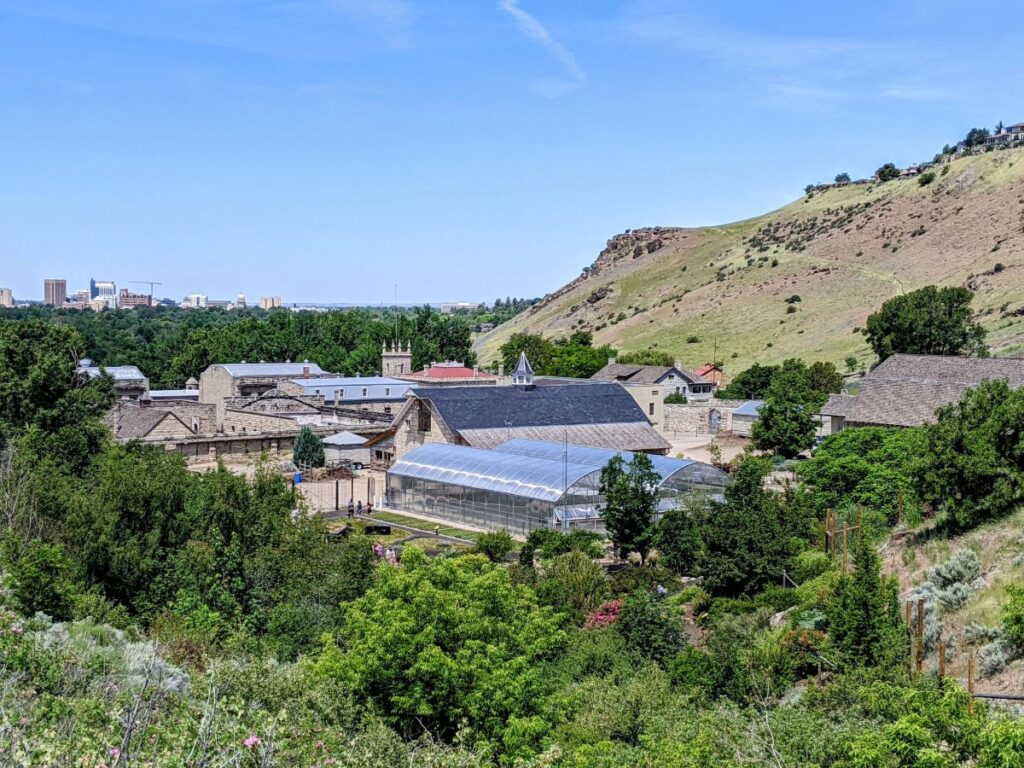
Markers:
389,554
357,508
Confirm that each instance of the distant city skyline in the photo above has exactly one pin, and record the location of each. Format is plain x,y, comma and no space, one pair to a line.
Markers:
322,150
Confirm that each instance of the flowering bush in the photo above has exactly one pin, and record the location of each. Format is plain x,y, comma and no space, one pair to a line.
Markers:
604,616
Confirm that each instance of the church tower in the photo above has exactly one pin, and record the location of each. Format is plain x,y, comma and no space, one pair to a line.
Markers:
396,360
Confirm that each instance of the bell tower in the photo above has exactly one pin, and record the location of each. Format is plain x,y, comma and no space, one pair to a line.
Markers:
396,360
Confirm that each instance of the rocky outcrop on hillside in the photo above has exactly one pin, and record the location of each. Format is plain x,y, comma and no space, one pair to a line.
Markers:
625,247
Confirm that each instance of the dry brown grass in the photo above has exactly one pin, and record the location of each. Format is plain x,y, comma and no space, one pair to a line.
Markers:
952,232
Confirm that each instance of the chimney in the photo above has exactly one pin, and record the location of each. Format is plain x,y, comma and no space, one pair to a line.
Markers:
476,371
611,361
679,364
501,371
305,371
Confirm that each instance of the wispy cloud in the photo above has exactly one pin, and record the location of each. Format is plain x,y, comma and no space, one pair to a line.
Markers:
789,70
530,26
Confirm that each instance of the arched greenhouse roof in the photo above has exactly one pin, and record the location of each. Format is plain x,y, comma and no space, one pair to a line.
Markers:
531,477
668,468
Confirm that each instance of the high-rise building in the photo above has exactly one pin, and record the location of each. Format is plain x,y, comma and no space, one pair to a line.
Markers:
6,298
92,289
194,300
128,300
270,302
106,290
81,296
55,292
240,301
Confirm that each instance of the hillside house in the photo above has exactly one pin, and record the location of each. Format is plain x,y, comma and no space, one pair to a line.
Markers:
711,372
906,390
1008,134
649,385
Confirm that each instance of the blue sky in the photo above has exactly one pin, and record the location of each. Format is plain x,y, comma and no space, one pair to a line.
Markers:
323,150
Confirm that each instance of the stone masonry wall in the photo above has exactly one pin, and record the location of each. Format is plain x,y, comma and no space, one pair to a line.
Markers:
694,418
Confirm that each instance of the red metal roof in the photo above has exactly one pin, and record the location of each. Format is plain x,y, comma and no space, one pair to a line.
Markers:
450,372
707,368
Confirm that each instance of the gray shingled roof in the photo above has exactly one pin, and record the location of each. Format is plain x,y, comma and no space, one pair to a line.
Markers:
643,374
132,422
555,405
965,370
237,370
906,390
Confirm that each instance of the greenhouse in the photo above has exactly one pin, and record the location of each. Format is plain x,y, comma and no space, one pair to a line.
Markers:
526,484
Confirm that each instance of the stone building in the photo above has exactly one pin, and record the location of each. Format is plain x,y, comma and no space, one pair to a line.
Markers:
396,360
906,390
129,381
220,382
649,385
599,414
376,394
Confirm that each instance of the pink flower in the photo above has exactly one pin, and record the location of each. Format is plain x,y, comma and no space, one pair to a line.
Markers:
604,616
252,741
115,752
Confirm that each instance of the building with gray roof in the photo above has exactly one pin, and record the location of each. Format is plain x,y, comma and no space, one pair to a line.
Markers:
600,414
906,390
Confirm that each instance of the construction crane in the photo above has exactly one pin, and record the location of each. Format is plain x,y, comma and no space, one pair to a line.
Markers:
150,283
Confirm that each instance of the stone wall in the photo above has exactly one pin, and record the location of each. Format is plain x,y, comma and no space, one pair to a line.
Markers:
695,418
408,435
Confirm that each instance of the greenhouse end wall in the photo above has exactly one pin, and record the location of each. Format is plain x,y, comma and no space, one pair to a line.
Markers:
470,506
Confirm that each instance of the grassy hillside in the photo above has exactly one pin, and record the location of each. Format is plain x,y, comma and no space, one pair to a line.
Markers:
842,251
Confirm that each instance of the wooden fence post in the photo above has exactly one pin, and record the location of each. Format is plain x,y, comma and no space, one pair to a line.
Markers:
845,547
920,633
970,684
942,660
907,608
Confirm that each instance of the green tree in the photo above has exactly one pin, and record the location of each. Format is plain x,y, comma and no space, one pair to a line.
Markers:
976,136
495,545
824,378
972,465
573,584
842,178
887,172
650,627
538,349
786,422
679,540
445,645
865,624
309,449
928,321
630,500
747,541
751,384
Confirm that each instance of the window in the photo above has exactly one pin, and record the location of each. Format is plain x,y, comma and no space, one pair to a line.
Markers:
364,391
341,394
424,425
387,391
654,393
387,409
650,409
